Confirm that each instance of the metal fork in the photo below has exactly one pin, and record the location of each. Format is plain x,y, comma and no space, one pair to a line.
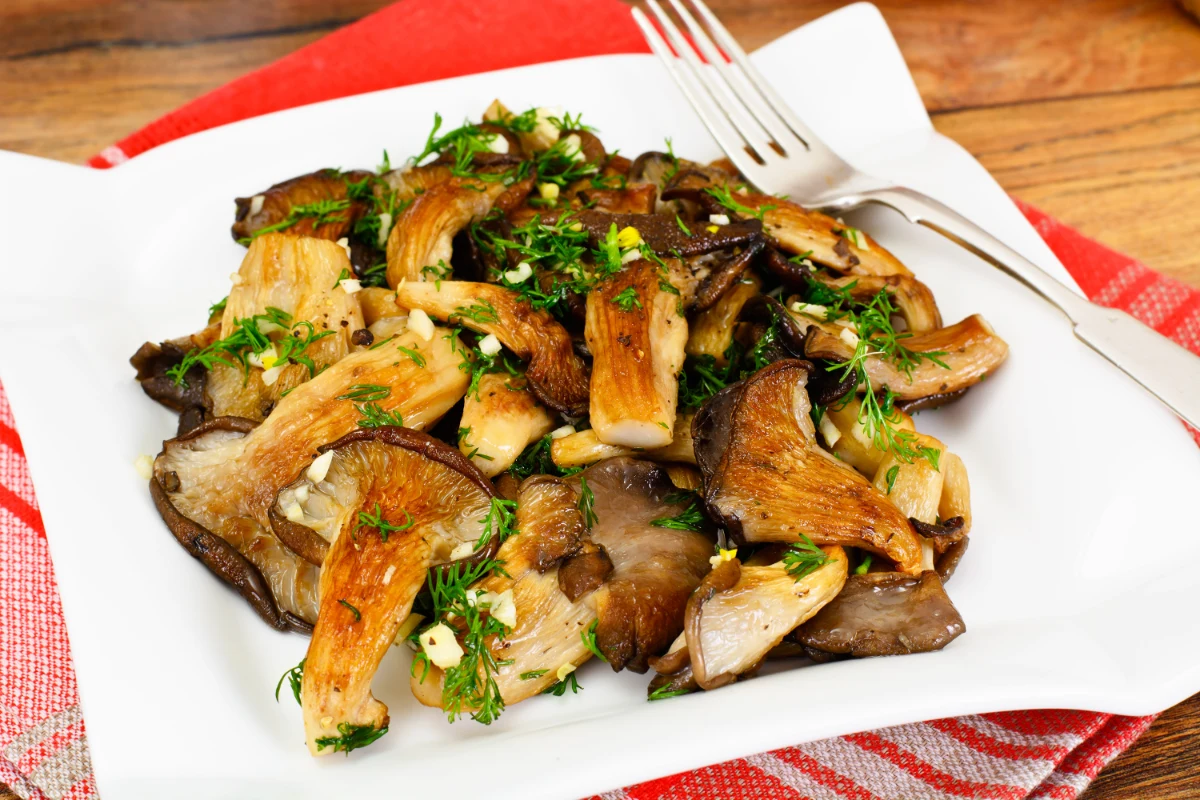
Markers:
778,153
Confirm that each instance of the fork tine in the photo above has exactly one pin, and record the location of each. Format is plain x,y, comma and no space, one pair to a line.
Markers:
742,91
774,101
733,111
727,137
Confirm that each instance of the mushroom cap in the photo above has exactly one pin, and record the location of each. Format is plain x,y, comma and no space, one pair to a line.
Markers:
733,624
885,614
402,470
773,482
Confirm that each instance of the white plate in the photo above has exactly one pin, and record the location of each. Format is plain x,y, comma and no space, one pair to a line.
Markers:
1072,468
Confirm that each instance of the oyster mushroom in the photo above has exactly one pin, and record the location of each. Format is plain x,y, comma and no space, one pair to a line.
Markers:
549,624
219,481
789,226
636,336
740,613
393,503
655,569
298,276
423,234
711,332
584,447
275,207
885,614
556,374
152,363
969,349
499,421
772,482
630,578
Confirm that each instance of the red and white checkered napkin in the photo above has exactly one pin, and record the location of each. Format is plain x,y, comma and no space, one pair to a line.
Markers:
1049,754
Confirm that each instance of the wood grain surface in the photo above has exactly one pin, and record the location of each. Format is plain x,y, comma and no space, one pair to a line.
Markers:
1088,109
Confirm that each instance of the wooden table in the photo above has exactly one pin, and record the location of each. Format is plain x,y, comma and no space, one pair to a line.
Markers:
1089,110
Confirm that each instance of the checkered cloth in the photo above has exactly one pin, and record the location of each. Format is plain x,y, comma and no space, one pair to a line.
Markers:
1046,754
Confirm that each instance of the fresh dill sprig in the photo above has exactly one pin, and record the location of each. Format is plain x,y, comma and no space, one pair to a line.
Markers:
803,558
535,460
416,357
588,635
723,196
294,677
376,521
481,312
357,614
533,674
249,338
372,415
627,299
665,691
501,522
352,737
366,392
890,477
690,519
472,684
559,689
320,212
587,503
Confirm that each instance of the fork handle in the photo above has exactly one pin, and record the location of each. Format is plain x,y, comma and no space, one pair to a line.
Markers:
1168,371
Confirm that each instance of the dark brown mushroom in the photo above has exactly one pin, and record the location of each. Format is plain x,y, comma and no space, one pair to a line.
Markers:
153,361
655,569
773,482
885,614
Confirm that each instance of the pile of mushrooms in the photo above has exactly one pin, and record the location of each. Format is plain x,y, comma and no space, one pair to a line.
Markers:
522,403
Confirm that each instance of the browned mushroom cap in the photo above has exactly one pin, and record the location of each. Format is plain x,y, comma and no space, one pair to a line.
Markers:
221,480
737,617
773,482
549,624
280,199
885,614
662,233
393,502
636,336
655,568
628,200
790,226
556,374
300,276
408,182
970,350
423,234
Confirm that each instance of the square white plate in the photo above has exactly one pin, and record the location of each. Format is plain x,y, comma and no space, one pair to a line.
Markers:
1072,467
